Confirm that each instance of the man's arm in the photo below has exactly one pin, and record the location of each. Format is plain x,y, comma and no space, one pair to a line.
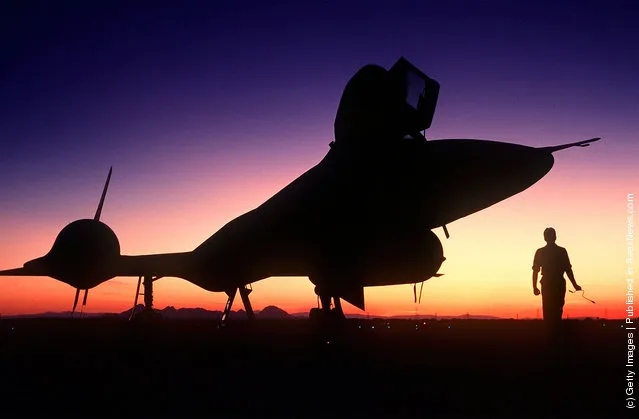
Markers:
570,274
535,274
534,279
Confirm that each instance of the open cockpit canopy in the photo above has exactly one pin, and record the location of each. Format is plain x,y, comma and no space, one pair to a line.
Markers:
379,104
420,94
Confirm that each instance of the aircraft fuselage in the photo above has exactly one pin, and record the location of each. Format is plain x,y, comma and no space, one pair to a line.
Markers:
356,206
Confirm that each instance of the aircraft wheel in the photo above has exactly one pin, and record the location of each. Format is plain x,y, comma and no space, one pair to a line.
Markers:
337,315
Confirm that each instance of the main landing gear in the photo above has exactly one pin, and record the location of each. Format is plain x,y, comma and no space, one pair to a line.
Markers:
325,312
244,294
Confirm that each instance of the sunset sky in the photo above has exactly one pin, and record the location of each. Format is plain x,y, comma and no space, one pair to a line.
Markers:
206,111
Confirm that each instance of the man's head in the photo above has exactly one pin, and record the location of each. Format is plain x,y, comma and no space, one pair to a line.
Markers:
550,235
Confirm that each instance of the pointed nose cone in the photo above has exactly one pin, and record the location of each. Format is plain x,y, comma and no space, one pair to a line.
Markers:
513,168
477,174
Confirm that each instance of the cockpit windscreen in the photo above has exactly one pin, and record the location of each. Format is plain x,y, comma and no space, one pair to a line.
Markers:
421,92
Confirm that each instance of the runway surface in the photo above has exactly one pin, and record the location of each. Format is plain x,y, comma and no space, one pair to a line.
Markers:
291,368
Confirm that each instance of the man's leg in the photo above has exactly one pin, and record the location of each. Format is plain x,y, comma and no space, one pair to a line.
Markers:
545,305
561,299
549,304
551,300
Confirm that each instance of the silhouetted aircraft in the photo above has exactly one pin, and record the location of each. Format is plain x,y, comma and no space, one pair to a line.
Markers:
361,217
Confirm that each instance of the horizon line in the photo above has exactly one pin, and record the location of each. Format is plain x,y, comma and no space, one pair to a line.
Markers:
463,316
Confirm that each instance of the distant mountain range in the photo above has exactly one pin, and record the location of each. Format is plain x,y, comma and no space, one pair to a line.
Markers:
170,312
269,312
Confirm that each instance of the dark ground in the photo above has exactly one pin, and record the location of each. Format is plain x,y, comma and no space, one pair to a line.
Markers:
287,368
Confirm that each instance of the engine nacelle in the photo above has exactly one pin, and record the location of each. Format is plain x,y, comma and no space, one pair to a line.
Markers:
406,259
83,255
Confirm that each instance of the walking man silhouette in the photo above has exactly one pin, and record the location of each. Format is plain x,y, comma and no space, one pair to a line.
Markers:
553,261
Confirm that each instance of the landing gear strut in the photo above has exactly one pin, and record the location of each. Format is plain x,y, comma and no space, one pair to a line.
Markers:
326,312
75,302
147,283
244,294
148,293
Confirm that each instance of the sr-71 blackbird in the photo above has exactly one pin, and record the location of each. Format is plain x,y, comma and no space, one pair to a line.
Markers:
361,217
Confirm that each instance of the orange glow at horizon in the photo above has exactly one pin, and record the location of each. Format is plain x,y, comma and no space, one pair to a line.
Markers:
487,270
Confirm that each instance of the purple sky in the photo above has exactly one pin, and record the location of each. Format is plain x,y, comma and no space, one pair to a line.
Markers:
169,95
